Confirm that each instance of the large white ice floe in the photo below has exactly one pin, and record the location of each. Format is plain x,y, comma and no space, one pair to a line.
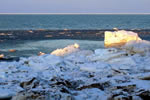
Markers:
105,74
119,38
127,40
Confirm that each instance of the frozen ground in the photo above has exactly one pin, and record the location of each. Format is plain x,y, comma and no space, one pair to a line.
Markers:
103,74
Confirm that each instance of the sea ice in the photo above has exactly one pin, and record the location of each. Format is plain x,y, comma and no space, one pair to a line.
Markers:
65,51
119,38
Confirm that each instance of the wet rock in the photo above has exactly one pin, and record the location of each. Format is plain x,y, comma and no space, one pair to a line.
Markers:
29,96
136,98
144,76
122,97
41,53
28,83
1,56
10,59
12,50
66,83
100,86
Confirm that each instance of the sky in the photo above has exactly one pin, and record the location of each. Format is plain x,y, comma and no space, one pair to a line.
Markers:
74,6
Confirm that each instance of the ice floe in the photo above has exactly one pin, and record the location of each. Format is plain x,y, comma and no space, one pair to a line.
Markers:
119,38
67,50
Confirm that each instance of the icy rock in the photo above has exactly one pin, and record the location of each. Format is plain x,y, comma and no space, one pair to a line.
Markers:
139,84
79,57
123,62
91,94
28,96
65,51
106,54
84,53
53,60
119,38
122,97
6,94
144,76
140,46
19,97
136,98
94,67
44,62
105,51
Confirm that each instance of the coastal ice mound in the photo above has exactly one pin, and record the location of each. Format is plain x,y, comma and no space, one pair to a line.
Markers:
126,40
65,51
139,46
119,38
74,74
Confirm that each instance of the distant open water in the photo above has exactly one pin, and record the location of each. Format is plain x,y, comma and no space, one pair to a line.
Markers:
27,22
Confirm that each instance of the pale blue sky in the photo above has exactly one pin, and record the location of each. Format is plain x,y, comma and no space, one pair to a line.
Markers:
74,6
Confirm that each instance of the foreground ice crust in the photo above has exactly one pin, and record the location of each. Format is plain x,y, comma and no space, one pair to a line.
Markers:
103,74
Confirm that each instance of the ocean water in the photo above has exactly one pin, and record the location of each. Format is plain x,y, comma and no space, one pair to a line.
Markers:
27,22
32,22
26,48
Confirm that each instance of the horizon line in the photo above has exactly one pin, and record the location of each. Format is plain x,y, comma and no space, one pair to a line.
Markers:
72,13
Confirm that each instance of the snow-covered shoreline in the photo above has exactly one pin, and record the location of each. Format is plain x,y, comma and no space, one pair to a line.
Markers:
103,74
78,74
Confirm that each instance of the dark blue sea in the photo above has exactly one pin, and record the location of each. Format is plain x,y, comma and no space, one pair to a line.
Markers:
97,21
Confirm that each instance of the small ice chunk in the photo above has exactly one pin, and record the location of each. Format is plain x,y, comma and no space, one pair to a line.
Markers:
65,51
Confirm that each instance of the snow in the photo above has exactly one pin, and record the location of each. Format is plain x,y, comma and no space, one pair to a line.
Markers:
78,74
111,65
